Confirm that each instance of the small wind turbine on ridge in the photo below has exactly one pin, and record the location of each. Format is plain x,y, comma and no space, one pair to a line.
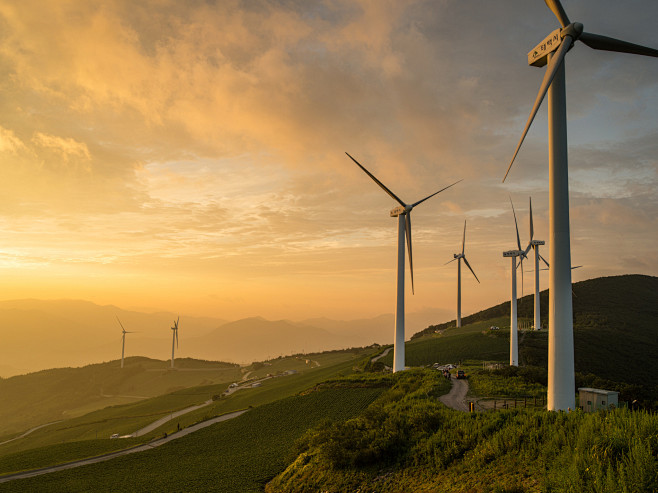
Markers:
174,340
458,258
123,339
513,326
403,213
534,244
551,52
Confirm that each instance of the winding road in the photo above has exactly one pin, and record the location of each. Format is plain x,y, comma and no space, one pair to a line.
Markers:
133,450
456,398
388,350
30,431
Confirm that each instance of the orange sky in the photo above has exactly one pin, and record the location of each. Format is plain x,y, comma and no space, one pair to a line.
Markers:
189,156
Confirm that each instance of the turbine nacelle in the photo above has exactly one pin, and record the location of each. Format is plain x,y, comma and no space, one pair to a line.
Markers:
401,210
513,253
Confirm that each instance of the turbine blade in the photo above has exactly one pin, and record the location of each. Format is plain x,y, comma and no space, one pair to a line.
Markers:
393,196
532,231
544,260
120,323
518,238
411,262
176,338
464,238
576,267
554,64
559,12
430,196
469,268
598,42
450,261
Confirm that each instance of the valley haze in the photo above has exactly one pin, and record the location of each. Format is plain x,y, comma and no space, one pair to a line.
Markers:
44,334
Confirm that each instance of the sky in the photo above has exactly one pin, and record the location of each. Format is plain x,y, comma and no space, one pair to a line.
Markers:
190,156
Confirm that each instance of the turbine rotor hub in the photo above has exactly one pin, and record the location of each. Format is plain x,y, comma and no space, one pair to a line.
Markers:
573,30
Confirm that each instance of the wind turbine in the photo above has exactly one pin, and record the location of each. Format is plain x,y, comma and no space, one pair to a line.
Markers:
458,258
123,340
403,213
551,51
513,326
534,244
174,340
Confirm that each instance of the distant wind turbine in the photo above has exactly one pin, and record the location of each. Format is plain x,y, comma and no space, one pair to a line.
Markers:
174,340
458,258
123,340
403,213
552,51
523,254
513,326
534,244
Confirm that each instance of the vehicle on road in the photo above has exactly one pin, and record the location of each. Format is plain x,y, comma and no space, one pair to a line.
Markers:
115,435
461,374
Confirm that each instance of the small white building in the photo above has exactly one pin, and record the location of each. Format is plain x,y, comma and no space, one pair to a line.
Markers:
591,400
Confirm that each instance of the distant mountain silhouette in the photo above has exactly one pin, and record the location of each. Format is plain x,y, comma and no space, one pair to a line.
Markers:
42,334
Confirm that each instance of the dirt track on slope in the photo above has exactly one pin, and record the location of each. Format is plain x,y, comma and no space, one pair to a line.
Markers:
456,398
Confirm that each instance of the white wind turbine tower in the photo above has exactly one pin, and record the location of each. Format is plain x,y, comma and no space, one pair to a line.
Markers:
534,244
551,51
513,326
174,340
458,258
123,340
403,213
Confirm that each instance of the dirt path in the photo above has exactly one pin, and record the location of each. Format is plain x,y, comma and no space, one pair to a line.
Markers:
388,350
112,455
456,398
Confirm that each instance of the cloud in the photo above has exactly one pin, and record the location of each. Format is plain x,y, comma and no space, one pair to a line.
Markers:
209,137
67,148
9,142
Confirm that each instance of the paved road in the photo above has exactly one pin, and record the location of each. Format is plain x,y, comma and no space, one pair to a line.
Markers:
169,417
456,398
112,455
29,431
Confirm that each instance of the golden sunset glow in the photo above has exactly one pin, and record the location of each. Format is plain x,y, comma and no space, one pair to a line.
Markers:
189,156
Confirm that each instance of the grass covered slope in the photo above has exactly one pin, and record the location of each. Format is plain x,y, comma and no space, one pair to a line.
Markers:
238,455
76,438
51,395
620,302
407,441
615,330
615,336
461,345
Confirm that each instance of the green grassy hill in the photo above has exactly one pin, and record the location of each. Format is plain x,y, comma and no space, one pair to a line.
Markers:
407,441
615,335
88,435
618,301
239,455
397,436
63,393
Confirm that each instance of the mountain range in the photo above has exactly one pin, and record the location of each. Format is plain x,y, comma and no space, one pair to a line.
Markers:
40,334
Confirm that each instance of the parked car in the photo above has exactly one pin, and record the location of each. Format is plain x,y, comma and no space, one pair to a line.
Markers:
493,327
461,374
116,435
